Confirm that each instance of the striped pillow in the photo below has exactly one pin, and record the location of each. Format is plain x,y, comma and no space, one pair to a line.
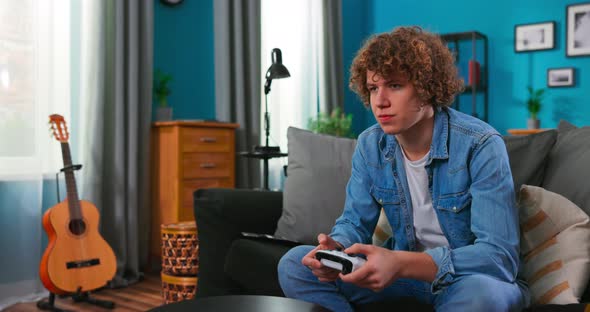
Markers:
382,230
555,246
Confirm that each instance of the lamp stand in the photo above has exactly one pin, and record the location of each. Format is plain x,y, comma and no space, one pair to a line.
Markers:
266,148
265,152
276,71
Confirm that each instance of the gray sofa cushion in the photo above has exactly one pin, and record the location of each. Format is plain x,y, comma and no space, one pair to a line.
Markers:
568,167
527,156
315,189
564,125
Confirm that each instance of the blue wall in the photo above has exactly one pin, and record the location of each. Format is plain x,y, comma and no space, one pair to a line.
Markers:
356,28
510,72
184,47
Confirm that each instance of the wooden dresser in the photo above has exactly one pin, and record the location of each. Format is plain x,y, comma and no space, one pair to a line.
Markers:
186,156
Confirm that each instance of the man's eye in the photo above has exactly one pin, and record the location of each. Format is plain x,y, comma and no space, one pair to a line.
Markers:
373,88
395,85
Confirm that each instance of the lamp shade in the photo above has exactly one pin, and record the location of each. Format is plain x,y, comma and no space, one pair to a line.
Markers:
277,70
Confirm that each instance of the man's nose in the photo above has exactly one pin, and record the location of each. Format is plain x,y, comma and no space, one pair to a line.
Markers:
381,99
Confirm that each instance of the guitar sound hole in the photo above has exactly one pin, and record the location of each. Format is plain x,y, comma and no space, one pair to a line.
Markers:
77,227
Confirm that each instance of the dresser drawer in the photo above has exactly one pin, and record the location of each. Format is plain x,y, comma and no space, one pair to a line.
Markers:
206,165
206,140
190,186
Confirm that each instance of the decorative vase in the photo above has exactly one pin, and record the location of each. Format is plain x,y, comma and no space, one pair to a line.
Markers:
533,123
164,113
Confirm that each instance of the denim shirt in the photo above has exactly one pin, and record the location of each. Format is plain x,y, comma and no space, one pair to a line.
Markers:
470,182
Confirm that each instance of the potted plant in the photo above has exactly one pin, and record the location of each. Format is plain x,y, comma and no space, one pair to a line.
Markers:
161,92
337,124
534,104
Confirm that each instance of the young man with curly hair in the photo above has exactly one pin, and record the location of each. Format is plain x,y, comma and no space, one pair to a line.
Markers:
444,181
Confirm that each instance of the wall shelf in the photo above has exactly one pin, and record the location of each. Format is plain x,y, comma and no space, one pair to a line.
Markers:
454,40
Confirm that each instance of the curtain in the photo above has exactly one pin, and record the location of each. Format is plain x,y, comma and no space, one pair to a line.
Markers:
21,240
332,94
238,79
116,78
34,82
309,34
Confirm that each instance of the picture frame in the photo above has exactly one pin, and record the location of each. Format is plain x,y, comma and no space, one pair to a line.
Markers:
578,29
534,37
560,77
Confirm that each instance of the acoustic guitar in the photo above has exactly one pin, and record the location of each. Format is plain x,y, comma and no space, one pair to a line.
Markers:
77,258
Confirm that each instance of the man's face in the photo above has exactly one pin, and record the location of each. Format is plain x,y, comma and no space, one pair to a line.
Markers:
395,103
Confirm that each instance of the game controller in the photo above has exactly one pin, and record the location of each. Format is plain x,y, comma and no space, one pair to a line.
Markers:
339,260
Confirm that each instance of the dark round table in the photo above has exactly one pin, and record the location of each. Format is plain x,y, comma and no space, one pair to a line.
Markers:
241,303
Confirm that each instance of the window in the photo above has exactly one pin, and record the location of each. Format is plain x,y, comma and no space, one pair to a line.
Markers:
296,28
34,83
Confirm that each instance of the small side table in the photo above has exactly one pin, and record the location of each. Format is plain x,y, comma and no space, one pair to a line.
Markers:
265,156
525,131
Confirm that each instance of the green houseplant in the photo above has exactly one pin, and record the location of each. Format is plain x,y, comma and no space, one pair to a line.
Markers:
336,123
534,104
161,91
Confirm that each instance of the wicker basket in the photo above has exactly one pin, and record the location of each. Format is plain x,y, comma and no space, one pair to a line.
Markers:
175,288
180,249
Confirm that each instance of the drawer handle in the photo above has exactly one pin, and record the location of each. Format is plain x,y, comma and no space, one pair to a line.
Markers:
208,165
208,140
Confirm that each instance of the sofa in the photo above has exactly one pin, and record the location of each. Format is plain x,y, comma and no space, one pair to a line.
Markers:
230,263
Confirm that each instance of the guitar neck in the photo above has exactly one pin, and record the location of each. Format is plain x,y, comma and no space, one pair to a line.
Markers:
72,190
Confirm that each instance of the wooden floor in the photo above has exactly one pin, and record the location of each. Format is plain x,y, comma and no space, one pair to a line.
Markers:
141,296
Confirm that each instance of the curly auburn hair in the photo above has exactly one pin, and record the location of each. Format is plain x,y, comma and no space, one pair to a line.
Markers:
419,55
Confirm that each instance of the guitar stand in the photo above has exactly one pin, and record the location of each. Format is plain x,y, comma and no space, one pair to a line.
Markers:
85,297
64,169
77,297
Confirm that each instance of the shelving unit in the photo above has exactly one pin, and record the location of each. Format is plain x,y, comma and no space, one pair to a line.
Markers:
454,40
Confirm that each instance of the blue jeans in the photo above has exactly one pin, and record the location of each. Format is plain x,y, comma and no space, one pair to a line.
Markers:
467,293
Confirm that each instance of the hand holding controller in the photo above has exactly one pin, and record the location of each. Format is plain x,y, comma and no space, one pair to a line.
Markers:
339,260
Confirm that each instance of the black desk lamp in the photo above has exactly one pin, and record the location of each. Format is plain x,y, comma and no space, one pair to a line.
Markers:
276,71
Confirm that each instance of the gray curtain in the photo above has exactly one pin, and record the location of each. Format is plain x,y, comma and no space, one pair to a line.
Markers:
334,68
116,85
238,79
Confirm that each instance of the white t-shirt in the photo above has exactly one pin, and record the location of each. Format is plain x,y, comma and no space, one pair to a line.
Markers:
426,225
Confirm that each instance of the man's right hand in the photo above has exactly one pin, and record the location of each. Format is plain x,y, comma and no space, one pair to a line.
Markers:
323,273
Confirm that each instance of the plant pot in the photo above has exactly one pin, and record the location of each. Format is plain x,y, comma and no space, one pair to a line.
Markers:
164,114
533,123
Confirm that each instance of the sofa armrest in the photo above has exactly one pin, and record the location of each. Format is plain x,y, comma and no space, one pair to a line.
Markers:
221,216
245,210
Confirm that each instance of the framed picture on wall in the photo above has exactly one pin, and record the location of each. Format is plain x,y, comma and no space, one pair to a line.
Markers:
534,37
560,77
578,29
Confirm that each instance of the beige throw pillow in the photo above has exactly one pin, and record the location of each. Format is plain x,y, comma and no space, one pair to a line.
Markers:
555,246
382,230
